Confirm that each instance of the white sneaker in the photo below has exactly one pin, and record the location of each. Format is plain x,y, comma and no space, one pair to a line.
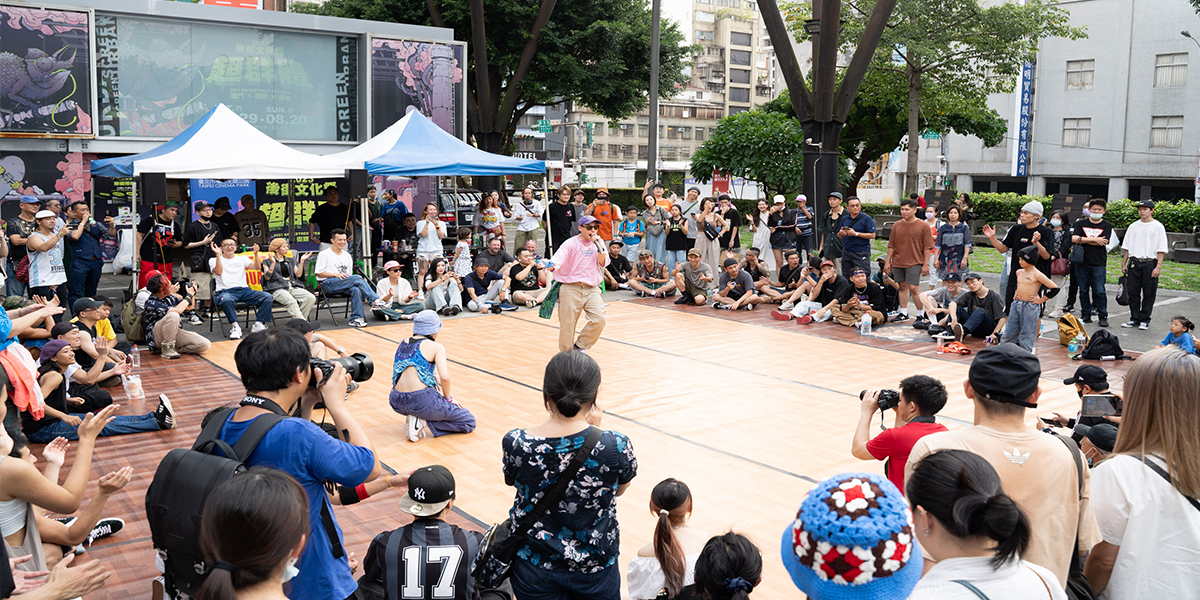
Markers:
379,304
413,427
235,332
195,319
357,323
786,306
257,327
420,294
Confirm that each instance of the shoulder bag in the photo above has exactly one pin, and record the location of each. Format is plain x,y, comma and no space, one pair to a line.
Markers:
1078,587
501,542
1163,473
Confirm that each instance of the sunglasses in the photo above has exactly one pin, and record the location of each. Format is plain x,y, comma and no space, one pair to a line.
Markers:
591,227
601,197
394,270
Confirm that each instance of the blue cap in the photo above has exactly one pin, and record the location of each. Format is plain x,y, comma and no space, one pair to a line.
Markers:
427,322
30,200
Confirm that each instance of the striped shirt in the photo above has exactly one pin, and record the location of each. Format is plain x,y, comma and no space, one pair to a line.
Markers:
427,559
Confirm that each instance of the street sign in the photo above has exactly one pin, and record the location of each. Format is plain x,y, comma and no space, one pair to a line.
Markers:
543,126
930,135
531,154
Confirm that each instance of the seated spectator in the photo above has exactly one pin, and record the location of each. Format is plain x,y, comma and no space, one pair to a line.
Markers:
842,523
921,397
975,532
575,553
162,319
88,312
397,294
735,290
498,260
651,277
283,278
632,229
728,568
977,311
619,269
443,288
761,275
421,384
484,287
819,307
694,280
1037,470
37,333
1088,380
85,383
229,273
1098,442
59,421
96,323
1024,324
668,564
861,297
1180,334
109,373
1145,496
937,304
792,275
526,280
253,528
891,290
335,274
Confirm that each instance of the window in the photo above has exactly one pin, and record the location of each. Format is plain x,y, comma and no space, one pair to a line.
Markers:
669,152
751,6
735,3
738,38
700,134
614,150
722,2
1166,132
739,76
737,94
762,91
739,57
685,133
685,153
627,151
1080,74
1170,70
1077,133
597,150
627,128
643,131
703,36
672,132
705,17
597,128
554,154
643,152
733,110
704,1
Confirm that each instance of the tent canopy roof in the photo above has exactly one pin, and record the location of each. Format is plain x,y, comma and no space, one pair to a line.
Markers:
419,147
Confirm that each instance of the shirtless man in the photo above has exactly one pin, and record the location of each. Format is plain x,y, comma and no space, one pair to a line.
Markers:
1025,313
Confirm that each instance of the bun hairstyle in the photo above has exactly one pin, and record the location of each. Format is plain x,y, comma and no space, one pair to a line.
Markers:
571,382
1187,324
729,567
963,492
671,500
251,523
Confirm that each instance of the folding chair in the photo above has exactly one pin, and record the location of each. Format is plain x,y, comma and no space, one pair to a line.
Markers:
325,300
215,314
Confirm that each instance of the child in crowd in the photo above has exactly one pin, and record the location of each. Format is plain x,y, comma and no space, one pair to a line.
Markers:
1025,313
1180,335
632,230
461,260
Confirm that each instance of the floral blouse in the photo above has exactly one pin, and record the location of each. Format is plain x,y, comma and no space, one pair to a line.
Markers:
580,533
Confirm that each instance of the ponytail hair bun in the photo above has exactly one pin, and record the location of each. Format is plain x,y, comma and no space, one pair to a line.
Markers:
571,382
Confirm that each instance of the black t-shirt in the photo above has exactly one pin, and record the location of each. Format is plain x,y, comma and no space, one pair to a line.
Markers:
156,236
7,586
228,225
676,238
561,217
992,303
788,276
828,226
872,295
1093,255
21,227
56,399
618,266
198,230
496,261
833,290
756,272
328,218
735,220
529,283
1021,236
781,238
423,551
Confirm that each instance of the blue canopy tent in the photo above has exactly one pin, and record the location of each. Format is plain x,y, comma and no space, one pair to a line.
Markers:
423,148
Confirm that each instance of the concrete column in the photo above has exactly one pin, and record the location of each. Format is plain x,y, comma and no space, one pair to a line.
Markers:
964,183
1118,188
1035,186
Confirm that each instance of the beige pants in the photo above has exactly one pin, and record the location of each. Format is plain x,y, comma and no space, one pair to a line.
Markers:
297,301
852,316
168,331
575,298
522,237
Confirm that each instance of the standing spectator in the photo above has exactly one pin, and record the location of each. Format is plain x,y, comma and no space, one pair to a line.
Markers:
828,228
489,216
619,269
375,212
229,271
656,190
934,223
283,278
677,242
396,293
963,201
1059,250
526,279
953,245
1142,256
731,241
1027,232
856,229
162,316
198,239
689,207
694,279
891,290
392,212
974,531
335,276
631,231
18,229
977,311
1037,471
443,289
804,228
329,217
1024,315
762,232
578,207
47,274
781,220
87,257
908,245
668,563
578,266
575,553
1180,334
404,246
859,298
654,216
461,261
155,235
1094,235
225,220
429,241
920,398
918,199
736,289
253,227
560,217
710,225
1146,495
421,384
605,214
528,214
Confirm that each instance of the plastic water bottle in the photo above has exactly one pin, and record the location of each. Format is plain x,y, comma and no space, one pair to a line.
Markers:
135,358
865,328
1073,347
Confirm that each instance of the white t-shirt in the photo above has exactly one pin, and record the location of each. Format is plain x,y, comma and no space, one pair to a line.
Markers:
1157,529
527,218
330,262
430,242
1146,240
139,301
233,271
646,579
400,291
46,268
1014,580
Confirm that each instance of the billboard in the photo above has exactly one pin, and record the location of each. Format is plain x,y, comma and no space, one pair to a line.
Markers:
425,76
45,72
155,78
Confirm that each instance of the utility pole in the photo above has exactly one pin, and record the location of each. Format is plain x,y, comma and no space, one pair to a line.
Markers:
1196,192
652,156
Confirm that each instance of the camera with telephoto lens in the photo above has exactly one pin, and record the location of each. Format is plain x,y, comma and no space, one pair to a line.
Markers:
887,398
358,365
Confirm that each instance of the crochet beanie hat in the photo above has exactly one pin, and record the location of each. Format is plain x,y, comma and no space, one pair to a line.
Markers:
853,538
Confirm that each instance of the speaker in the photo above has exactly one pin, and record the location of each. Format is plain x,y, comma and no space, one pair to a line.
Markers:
1071,203
154,188
357,181
941,198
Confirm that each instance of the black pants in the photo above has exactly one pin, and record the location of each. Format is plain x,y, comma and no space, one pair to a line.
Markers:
1073,288
1141,287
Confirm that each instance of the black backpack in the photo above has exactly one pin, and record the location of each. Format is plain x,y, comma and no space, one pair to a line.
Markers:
1103,345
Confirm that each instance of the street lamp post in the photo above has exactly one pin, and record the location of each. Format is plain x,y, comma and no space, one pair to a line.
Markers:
1196,181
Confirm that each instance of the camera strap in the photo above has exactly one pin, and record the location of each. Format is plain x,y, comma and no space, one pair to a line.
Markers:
263,403
922,419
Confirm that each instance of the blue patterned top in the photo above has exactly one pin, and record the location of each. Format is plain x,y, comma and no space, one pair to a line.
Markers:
409,355
580,533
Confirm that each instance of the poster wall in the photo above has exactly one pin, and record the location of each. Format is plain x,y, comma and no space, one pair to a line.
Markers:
45,72
421,75
155,78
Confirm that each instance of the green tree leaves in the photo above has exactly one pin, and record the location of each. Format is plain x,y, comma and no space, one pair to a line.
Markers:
764,147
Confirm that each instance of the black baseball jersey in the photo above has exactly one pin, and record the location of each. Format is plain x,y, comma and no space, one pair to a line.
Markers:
427,559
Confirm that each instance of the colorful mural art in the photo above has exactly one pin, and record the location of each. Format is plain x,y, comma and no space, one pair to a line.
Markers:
421,75
45,72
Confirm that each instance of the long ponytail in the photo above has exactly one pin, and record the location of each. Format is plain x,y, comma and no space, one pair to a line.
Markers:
672,500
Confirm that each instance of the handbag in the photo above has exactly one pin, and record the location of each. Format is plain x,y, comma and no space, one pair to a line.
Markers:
1060,266
1077,254
1122,297
21,270
501,542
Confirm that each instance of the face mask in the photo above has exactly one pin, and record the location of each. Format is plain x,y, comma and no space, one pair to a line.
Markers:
290,570
1056,222
1096,217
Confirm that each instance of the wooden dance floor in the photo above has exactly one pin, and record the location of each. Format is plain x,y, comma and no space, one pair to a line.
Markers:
748,411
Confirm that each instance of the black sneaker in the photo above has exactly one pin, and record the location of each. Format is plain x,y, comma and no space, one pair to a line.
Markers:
921,323
105,528
934,328
164,414
899,318
683,300
1103,322
1085,319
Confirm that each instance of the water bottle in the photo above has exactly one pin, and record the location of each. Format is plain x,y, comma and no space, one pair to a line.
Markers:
865,328
1073,347
135,358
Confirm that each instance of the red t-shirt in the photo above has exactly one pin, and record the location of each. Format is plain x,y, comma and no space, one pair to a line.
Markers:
896,443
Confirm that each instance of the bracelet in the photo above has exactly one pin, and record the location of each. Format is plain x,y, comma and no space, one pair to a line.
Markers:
362,492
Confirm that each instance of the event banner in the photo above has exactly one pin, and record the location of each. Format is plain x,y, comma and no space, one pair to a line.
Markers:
45,72
273,198
422,75
156,78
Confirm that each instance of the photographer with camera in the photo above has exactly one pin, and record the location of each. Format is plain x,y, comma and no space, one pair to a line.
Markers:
162,318
920,397
276,371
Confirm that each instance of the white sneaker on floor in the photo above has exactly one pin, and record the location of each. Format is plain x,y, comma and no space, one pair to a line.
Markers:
1129,324
1143,326
195,319
786,306
257,327
379,304
235,332
357,323
413,427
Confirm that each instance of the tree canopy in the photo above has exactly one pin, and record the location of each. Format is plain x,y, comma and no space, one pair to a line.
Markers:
764,147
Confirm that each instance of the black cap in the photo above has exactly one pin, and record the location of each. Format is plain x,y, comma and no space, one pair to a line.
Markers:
972,275
429,490
1005,373
1146,204
201,205
61,328
481,261
83,304
222,202
1089,375
616,243
729,262
694,188
1102,435
1029,254
952,277
302,325
658,184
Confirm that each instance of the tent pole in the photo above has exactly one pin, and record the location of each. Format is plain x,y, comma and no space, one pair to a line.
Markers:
136,263
546,208
364,217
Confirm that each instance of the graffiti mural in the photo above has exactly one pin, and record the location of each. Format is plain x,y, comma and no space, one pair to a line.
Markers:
422,75
45,72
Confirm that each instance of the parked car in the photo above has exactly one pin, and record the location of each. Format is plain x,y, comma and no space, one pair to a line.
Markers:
456,209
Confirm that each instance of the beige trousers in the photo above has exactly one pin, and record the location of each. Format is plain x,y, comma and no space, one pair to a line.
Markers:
167,330
573,299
